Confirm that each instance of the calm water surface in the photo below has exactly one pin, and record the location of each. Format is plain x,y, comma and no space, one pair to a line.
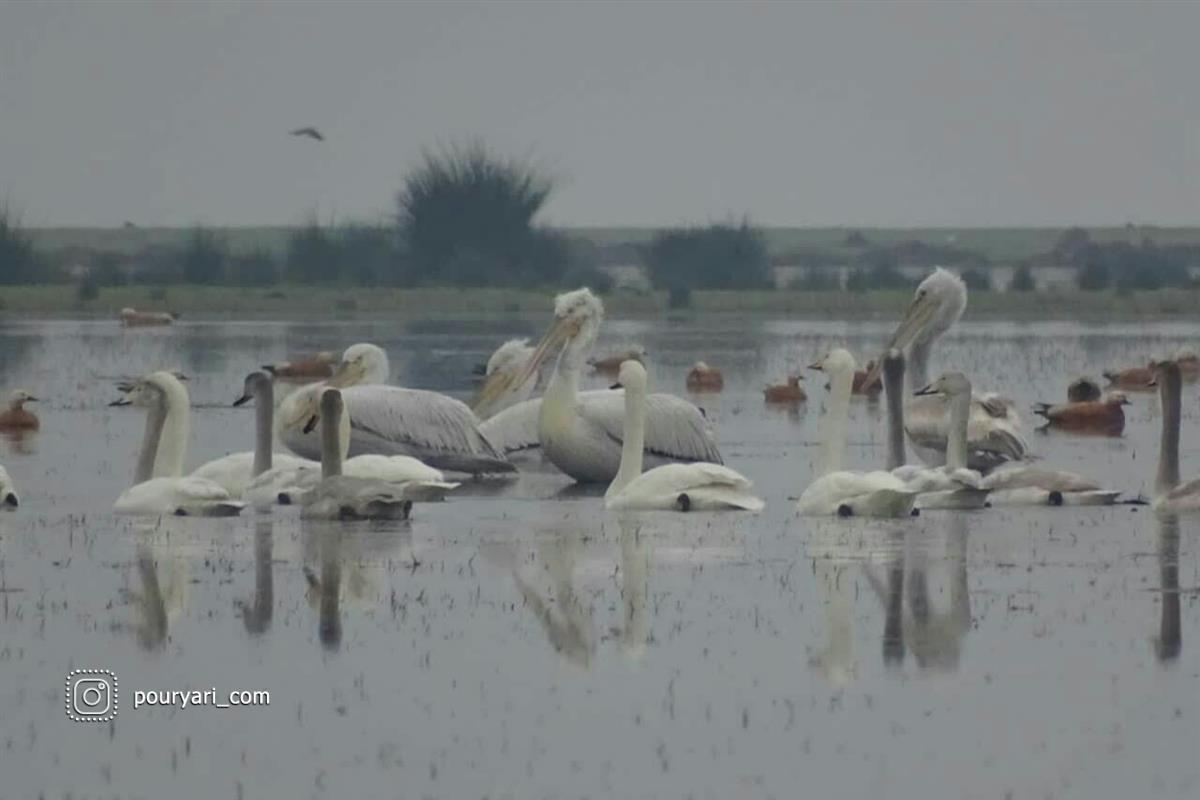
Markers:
520,642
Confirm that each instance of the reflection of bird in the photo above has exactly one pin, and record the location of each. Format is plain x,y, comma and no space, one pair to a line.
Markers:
310,132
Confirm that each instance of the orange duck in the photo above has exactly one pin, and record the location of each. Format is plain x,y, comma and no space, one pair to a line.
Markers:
860,385
132,318
1090,416
16,417
1135,379
303,370
612,364
790,392
1083,390
703,378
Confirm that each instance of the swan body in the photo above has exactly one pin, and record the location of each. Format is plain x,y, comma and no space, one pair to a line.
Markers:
388,420
844,493
581,433
994,426
8,492
159,485
1037,486
697,486
341,496
235,472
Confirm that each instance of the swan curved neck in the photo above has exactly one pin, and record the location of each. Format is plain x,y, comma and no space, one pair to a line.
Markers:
956,435
1170,389
264,420
333,442
634,441
155,418
172,448
836,419
893,386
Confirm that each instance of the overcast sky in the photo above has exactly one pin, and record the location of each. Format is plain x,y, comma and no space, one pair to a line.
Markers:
794,114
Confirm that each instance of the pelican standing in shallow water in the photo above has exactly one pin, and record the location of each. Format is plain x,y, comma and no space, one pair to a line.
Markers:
841,492
159,484
1170,494
994,427
388,420
952,486
510,357
16,417
8,493
672,487
581,433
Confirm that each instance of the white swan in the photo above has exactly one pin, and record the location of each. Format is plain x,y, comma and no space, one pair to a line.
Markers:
8,492
510,357
421,481
160,487
994,427
344,497
952,486
259,475
388,420
581,433
841,492
671,487
1170,494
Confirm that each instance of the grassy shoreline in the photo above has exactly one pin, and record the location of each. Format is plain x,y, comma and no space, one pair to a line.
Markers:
290,300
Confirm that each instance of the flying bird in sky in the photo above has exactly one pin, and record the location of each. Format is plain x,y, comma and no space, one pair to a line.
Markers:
311,133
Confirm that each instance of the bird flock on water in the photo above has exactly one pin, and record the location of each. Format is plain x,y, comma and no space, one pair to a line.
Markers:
343,443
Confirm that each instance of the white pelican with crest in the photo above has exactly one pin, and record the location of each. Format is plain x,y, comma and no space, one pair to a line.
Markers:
672,487
388,420
994,427
581,433
512,356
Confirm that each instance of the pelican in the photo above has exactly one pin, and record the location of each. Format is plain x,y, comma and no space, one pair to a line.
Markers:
1171,495
671,487
703,378
841,492
952,486
8,492
1091,416
258,475
309,369
609,365
509,357
16,417
581,433
1083,390
994,428
389,420
159,486
132,318
790,392
344,497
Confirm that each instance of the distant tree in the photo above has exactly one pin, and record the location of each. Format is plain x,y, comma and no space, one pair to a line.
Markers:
204,258
368,255
713,257
1070,245
856,239
467,217
18,260
312,255
858,281
1022,280
1094,275
816,279
977,280
107,270
256,268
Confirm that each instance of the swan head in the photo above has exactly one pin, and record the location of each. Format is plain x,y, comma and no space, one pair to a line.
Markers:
836,362
255,385
151,390
577,318
361,364
951,384
19,398
631,377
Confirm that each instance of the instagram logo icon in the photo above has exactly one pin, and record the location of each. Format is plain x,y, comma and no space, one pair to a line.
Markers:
91,695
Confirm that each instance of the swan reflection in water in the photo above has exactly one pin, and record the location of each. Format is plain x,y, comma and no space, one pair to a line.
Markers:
161,595
1168,644
256,614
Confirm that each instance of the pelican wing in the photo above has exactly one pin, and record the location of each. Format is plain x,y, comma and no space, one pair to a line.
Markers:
675,428
993,429
515,428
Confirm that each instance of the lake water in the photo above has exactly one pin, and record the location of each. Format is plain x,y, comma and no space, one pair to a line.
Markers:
519,642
